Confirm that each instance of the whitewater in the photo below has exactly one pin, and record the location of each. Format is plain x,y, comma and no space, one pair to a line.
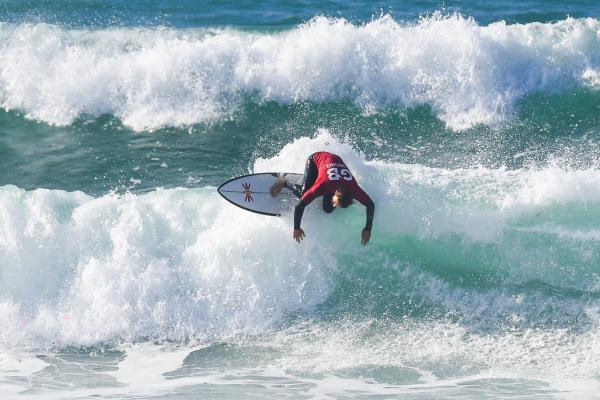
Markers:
124,274
150,78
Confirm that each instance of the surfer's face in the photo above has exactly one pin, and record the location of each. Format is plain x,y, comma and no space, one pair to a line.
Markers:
335,199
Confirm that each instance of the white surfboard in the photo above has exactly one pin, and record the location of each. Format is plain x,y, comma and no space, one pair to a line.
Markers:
253,192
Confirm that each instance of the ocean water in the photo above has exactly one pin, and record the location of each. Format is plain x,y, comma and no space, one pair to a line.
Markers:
474,126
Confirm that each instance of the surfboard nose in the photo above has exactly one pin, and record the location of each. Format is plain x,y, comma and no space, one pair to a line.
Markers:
262,193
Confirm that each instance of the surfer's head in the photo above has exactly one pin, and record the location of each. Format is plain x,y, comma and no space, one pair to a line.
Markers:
342,197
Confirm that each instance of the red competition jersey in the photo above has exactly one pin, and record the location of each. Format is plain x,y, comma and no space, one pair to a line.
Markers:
333,173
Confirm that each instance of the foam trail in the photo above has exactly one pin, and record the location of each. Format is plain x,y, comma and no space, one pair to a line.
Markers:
150,78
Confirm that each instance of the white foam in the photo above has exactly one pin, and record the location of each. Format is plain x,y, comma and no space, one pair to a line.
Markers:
444,353
591,77
170,264
149,78
341,358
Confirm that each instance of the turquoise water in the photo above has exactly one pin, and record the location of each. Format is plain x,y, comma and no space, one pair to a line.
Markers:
474,127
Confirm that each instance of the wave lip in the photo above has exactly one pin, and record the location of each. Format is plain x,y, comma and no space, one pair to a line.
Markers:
150,78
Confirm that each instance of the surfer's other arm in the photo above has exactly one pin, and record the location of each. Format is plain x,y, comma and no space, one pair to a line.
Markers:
366,232
298,234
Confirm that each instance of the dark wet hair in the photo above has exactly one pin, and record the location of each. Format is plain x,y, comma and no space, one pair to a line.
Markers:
344,196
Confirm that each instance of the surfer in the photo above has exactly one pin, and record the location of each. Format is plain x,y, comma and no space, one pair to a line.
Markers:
327,175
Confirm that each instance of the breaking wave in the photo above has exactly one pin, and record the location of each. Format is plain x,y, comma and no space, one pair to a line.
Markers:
489,245
150,78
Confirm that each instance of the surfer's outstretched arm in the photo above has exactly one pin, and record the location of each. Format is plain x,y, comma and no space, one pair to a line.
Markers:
366,232
298,211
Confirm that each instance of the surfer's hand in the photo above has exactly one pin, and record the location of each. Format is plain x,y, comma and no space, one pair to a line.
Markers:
365,236
298,235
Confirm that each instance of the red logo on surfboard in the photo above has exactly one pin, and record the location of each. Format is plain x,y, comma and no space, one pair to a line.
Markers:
247,192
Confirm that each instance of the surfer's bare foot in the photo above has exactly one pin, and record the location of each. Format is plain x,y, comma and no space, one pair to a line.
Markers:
277,187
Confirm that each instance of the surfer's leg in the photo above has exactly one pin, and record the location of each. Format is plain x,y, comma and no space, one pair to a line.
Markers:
277,187
310,174
294,188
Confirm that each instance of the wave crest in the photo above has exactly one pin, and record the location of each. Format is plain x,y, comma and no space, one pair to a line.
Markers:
151,78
